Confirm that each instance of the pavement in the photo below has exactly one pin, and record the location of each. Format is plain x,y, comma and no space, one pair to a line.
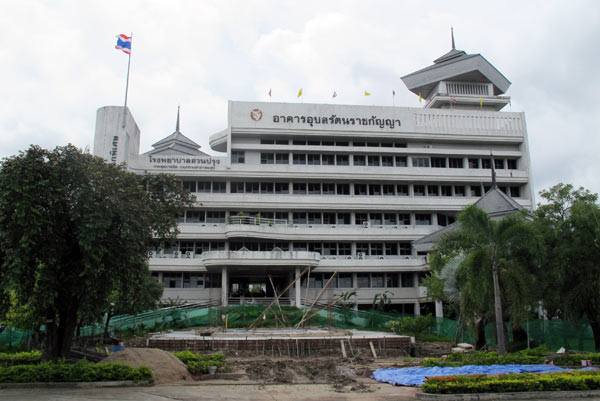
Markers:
221,392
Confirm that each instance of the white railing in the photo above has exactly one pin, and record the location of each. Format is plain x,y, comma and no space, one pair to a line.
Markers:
436,119
464,88
258,221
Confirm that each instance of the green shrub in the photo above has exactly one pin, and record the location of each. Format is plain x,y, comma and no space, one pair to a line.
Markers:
414,326
575,359
20,358
198,364
81,371
513,382
525,357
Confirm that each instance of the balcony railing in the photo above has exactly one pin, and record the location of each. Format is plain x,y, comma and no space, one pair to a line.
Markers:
258,221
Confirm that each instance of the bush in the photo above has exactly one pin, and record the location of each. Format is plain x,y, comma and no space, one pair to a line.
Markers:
513,382
20,358
198,364
575,359
412,325
525,357
81,371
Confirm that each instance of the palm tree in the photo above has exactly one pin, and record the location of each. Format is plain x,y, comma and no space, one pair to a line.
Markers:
497,259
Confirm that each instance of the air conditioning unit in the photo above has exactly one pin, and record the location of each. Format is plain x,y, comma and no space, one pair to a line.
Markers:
188,255
176,254
428,146
152,254
365,224
360,255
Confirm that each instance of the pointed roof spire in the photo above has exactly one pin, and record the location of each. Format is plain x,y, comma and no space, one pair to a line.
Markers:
494,185
452,34
177,124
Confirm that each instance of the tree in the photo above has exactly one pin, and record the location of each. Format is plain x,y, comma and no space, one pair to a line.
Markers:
498,261
570,223
73,229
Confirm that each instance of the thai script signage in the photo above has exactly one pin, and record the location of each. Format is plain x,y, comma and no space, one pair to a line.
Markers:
373,121
184,162
114,149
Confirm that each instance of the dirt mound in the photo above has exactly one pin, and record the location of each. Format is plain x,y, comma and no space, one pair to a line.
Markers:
165,366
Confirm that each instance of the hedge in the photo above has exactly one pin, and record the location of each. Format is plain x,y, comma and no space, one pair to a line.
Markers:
575,359
198,364
81,371
514,382
20,358
525,357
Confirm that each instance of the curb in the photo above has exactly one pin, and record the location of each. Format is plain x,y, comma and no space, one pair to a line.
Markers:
123,383
530,395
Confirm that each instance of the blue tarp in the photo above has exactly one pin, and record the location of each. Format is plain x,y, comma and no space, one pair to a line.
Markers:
416,376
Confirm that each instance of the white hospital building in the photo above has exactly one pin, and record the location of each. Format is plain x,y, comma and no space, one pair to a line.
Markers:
333,188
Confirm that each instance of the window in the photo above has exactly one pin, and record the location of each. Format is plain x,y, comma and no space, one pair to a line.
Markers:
373,160
432,190
405,248
204,186
419,190
511,164
282,188
391,249
373,144
328,218
314,247
389,219
438,162
327,143
282,216
358,143
266,188
328,189
499,164
343,218
215,217
344,280
387,144
238,157
189,185
388,189
362,280
219,187
401,161
328,160
423,219
299,218
362,248
359,160
313,217
212,280
361,218
193,280
375,218
446,190
342,160
194,216
314,188
455,162
299,158
217,246
237,187
475,190
313,142
299,142
387,161
420,162
374,189
329,248
299,188
282,158
400,144
459,190
300,246
377,280
252,187
281,141
486,163
344,249
186,246
407,279
267,158
360,189
473,163
343,189
515,192
172,280
267,141
314,160
404,219
402,189
391,280
442,220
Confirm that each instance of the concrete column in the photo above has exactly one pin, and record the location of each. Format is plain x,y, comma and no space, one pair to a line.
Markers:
434,219
417,309
298,288
439,310
355,285
224,286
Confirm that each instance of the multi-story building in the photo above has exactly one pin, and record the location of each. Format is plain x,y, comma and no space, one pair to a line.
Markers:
326,189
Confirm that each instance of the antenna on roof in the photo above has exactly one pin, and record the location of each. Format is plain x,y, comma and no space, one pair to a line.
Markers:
493,171
177,124
452,34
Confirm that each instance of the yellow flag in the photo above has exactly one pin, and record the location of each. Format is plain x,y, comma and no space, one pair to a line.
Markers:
367,93
300,92
480,102
420,97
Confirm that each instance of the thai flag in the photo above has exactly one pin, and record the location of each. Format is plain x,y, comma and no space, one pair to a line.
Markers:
124,43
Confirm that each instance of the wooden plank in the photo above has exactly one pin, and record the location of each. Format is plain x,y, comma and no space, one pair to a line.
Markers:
373,349
343,349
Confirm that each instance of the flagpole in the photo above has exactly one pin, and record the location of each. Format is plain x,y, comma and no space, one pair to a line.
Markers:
127,84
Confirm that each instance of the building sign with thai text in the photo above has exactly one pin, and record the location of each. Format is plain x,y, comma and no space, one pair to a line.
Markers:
183,162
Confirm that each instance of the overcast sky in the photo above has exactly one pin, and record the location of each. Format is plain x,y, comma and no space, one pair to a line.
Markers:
58,65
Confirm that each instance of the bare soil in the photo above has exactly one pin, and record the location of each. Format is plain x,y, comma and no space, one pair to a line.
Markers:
165,366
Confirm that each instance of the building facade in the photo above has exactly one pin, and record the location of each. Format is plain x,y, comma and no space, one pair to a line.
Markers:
304,192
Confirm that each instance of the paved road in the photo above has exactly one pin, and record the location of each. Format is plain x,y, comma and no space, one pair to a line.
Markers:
309,392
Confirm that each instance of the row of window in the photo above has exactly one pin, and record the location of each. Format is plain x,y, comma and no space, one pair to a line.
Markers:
329,142
363,280
190,280
329,188
311,217
189,248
